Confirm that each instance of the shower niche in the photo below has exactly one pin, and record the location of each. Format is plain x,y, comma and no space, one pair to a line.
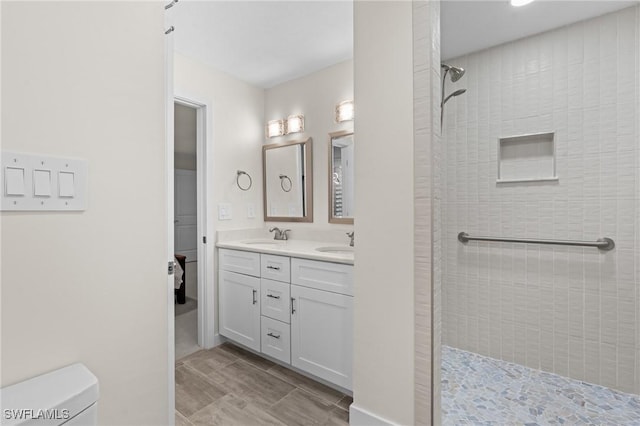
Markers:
527,158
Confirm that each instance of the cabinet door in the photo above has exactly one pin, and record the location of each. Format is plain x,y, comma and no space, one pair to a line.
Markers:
240,308
322,334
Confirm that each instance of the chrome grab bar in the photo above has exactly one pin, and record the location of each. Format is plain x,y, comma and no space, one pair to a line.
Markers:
605,244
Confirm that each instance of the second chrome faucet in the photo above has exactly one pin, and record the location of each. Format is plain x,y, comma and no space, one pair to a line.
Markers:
351,235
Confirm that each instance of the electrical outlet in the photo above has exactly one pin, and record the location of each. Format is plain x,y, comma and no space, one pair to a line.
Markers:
251,211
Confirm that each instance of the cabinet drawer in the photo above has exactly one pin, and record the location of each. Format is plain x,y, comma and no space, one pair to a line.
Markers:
334,277
275,267
276,339
275,302
242,262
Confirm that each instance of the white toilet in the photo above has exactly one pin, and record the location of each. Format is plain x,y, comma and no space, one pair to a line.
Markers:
66,396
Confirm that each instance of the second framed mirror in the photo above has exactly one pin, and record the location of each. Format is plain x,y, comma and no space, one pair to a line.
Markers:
341,174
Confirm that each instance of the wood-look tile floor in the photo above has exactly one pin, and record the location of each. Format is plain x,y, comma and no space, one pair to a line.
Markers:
228,385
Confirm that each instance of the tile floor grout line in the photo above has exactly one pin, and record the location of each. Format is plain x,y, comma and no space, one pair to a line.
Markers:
205,377
311,391
278,401
213,402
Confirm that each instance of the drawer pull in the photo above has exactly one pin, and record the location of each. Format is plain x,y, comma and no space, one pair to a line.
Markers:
275,268
273,335
293,308
272,296
255,296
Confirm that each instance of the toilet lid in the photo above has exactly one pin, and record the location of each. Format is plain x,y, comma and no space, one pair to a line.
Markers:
49,399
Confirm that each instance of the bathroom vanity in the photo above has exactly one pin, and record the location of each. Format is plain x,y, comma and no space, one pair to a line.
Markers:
291,301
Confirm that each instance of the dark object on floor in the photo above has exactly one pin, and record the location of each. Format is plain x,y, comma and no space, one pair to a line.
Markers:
180,292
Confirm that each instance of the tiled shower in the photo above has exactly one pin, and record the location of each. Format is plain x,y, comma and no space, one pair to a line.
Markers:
571,311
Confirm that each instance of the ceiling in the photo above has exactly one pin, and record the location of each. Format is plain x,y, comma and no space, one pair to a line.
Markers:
266,43
469,26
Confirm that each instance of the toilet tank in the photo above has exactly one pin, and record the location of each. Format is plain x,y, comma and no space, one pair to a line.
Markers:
68,395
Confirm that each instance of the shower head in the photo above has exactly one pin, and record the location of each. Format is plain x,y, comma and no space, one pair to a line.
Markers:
456,93
456,72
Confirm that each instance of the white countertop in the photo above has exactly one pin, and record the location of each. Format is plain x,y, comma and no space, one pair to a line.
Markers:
293,248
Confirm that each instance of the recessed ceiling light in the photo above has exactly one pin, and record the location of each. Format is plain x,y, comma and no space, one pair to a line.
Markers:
518,3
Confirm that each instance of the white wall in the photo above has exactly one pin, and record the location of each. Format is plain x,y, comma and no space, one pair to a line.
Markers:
238,132
384,279
89,286
572,311
315,96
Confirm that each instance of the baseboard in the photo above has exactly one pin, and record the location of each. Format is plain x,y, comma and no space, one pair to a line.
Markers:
218,340
361,417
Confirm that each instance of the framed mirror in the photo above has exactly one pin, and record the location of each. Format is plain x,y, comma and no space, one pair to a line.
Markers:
341,185
288,181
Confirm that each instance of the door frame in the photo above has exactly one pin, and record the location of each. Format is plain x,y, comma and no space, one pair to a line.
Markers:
169,167
204,220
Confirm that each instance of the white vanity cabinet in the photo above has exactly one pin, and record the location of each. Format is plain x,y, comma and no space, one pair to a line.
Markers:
297,311
239,297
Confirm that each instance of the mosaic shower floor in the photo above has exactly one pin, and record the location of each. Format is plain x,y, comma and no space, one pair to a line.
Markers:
478,390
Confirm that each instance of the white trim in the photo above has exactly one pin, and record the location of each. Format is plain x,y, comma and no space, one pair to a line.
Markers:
361,417
204,170
218,339
169,166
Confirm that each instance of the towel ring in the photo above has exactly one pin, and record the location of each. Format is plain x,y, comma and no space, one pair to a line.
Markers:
240,173
284,178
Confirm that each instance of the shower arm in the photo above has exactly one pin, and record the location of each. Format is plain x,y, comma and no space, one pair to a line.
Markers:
444,77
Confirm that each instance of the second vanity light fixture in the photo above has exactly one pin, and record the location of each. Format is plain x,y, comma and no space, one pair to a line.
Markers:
344,111
293,124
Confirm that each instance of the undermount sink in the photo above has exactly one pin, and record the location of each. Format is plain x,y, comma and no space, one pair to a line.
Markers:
336,250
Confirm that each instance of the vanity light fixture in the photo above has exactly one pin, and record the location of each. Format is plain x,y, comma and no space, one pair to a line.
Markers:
518,3
274,128
295,124
344,111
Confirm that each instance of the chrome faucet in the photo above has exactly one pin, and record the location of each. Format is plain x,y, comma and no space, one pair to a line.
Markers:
351,235
280,234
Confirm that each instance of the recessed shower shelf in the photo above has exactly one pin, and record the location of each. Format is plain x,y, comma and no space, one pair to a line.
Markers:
527,158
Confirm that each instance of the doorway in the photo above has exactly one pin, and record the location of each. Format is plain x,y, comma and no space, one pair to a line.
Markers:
193,227
185,230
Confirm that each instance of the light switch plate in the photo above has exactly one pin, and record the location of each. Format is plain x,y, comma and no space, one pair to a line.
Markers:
31,182
224,211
